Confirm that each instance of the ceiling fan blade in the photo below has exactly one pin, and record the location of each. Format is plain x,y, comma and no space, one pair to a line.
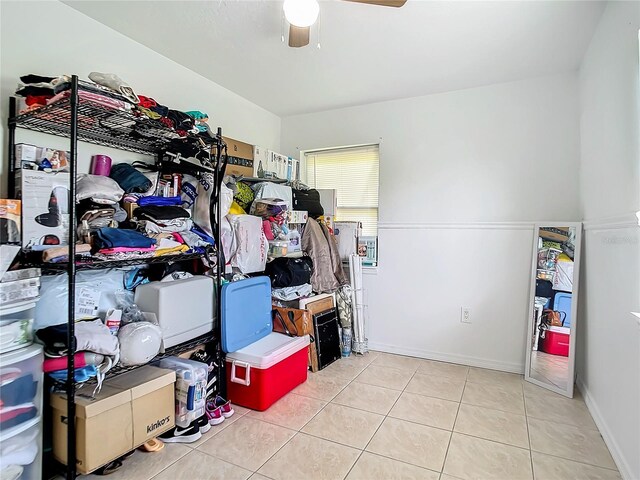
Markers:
382,3
298,36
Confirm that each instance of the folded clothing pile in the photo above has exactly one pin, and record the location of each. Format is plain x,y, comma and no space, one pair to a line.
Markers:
61,254
121,244
96,350
37,89
163,218
18,451
98,189
18,389
290,278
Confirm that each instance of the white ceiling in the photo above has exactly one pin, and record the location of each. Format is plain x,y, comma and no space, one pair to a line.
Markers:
368,53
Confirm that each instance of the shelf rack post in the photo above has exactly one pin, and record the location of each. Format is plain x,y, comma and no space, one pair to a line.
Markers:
71,271
11,180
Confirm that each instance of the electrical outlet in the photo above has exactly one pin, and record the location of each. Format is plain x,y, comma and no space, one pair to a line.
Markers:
465,315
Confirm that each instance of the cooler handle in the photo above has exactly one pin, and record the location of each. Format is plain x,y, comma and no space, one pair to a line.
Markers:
242,381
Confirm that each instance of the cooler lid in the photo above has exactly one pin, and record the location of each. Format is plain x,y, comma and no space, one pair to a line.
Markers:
564,330
269,350
246,312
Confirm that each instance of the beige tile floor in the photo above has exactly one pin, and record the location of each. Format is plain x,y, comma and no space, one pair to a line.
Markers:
382,416
550,368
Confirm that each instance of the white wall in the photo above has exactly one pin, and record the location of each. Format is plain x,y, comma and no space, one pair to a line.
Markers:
51,38
608,365
462,177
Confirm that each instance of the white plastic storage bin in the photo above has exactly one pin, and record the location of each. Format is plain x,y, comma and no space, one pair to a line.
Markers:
21,452
191,388
21,413
16,324
184,308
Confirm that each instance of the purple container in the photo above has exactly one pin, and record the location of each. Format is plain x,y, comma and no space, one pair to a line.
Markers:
100,165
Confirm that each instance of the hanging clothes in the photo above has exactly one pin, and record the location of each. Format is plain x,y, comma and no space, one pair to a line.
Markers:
321,246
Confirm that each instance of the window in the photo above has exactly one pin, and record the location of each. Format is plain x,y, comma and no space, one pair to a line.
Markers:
353,172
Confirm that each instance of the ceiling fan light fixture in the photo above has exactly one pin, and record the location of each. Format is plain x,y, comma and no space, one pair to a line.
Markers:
301,13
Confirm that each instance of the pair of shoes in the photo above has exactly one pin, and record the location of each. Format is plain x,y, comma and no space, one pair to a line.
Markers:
218,409
203,424
178,434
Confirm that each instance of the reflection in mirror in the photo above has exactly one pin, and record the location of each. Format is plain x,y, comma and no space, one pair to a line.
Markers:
550,362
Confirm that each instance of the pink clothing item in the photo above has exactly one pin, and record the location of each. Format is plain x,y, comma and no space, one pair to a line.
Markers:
92,97
266,228
111,251
177,237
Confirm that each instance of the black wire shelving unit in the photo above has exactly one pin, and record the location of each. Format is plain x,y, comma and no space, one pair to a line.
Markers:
90,263
81,116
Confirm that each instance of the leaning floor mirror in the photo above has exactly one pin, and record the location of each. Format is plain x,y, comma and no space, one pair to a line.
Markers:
555,269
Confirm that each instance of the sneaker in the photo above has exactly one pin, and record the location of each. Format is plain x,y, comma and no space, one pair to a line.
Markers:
225,406
203,424
214,414
182,435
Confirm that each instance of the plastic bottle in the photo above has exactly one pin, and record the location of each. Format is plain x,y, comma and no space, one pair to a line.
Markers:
346,342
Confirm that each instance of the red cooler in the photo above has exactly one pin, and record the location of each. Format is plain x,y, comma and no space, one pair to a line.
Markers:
262,366
263,372
556,341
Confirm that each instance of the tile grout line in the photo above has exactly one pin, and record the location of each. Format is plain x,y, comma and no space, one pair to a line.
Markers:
377,429
446,453
299,431
577,461
172,463
526,417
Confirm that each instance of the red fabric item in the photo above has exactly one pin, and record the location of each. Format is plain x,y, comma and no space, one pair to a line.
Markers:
266,228
13,412
167,122
37,99
147,102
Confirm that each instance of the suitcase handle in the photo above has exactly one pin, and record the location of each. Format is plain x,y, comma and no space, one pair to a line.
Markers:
242,381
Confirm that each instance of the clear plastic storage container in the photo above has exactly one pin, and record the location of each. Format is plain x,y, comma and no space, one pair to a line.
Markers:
191,388
16,324
21,413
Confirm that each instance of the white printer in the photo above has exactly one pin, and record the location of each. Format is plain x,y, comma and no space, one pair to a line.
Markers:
185,308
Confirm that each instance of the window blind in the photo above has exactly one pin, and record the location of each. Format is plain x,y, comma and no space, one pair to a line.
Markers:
354,173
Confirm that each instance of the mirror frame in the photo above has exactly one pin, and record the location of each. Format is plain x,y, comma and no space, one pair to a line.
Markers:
568,392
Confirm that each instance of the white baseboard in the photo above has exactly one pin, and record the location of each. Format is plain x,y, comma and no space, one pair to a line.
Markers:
451,358
623,467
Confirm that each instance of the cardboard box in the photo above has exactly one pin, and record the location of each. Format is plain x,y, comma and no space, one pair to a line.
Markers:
26,153
152,400
103,427
260,160
239,166
129,410
10,221
240,158
45,206
318,303
239,149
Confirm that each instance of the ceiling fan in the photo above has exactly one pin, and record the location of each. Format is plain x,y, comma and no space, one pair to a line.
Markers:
301,14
